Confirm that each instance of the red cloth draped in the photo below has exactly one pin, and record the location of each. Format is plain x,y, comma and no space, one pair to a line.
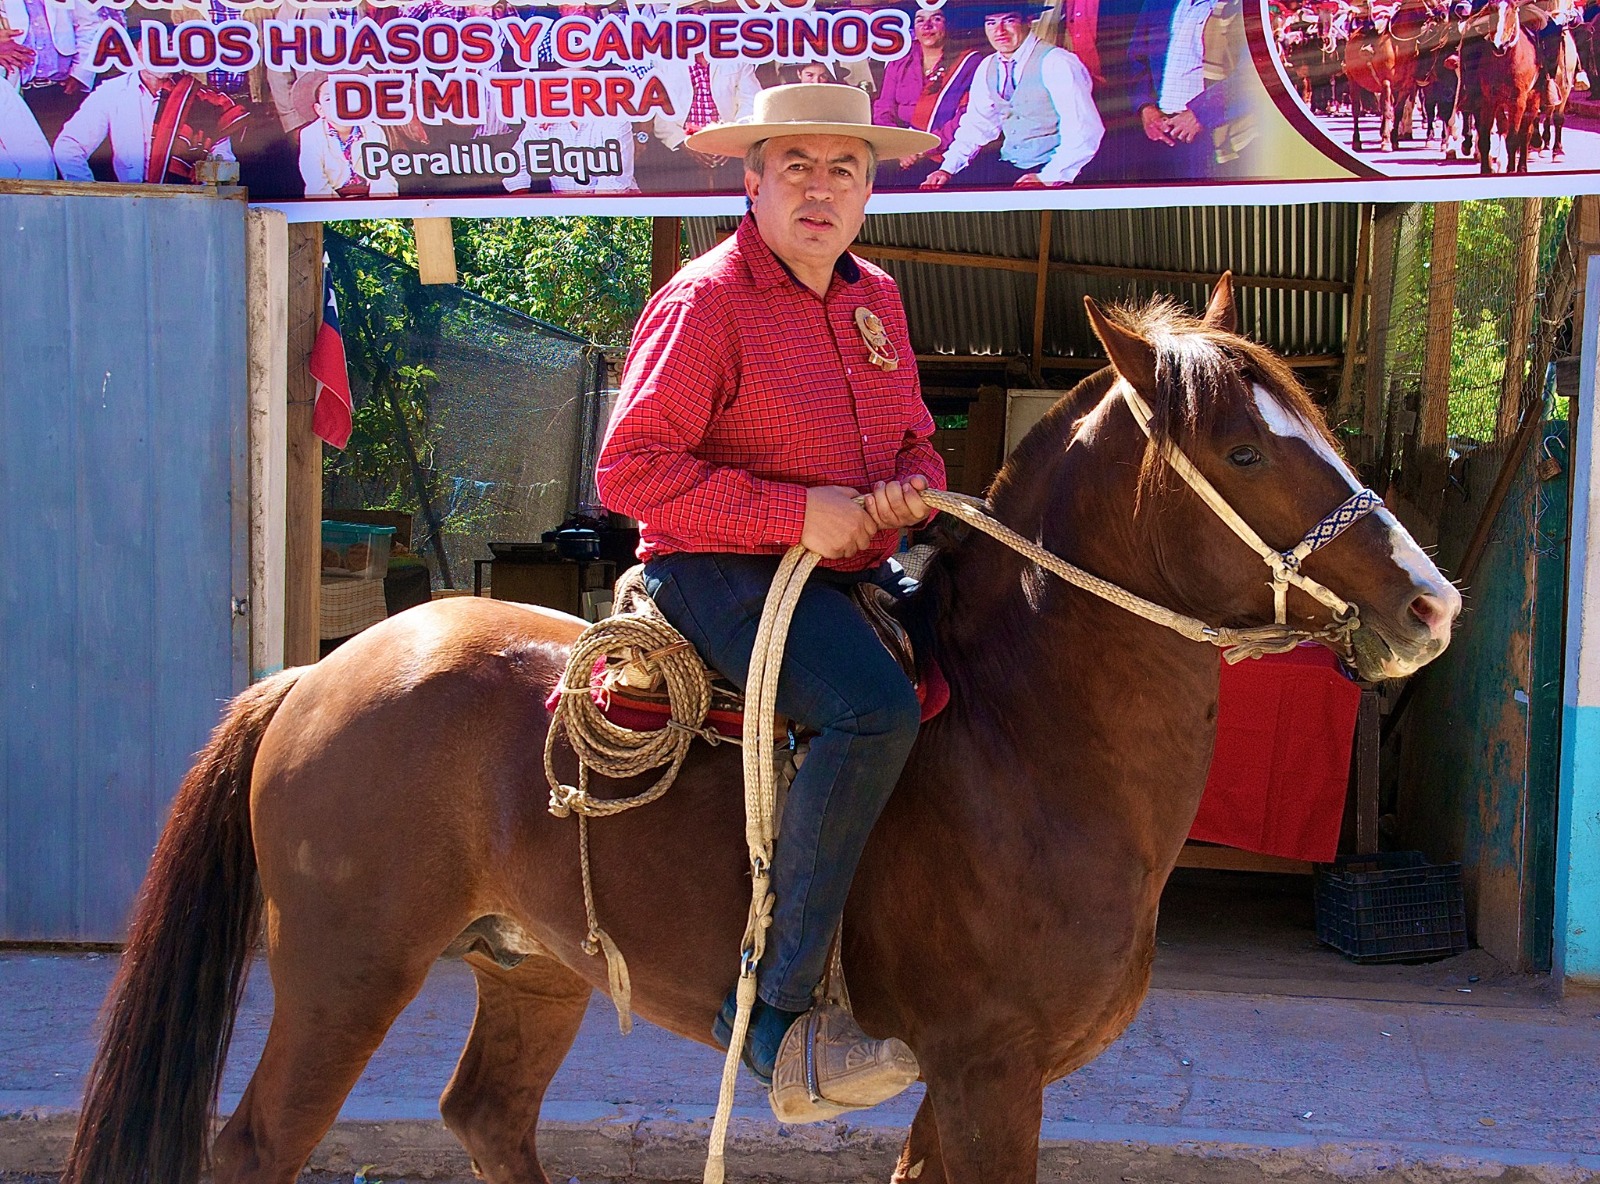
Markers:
1282,764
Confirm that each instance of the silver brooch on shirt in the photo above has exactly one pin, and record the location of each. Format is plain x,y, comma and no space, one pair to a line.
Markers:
880,350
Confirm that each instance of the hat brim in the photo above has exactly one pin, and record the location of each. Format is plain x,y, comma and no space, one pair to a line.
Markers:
735,139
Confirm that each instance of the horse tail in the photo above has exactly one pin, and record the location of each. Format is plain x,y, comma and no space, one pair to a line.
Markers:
152,1090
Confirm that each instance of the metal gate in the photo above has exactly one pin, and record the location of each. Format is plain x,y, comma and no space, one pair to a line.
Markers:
123,507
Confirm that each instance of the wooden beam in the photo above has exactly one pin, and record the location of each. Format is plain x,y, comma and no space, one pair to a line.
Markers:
1355,319
1089,365
879,253
986,437
1433,411
1585,216
1524,295
1230,859
666,250
436,250
1029,266
944,258
1374,417
1369,731
1041,289
267,362
302,579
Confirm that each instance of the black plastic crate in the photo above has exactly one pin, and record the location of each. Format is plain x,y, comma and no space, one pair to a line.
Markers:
1393,907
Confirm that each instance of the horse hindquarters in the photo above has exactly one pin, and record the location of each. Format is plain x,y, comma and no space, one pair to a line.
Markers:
146,1113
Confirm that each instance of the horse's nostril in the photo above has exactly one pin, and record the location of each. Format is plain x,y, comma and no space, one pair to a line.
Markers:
1434,613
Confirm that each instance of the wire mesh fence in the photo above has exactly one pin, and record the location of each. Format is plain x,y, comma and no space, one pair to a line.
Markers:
469,415
1467,321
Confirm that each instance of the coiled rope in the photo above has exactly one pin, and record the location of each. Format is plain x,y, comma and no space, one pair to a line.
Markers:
641,637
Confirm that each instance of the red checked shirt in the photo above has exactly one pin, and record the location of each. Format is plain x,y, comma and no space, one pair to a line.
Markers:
744,388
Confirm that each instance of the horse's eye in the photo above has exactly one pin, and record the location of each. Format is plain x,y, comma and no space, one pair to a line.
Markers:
1243,456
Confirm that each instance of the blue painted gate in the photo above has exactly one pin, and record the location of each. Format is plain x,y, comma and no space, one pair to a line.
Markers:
123,508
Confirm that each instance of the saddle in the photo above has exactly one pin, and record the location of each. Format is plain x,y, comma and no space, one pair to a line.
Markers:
632,695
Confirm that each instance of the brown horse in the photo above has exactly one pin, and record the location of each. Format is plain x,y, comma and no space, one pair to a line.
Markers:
1561,76
1500,73
389,800
1381,62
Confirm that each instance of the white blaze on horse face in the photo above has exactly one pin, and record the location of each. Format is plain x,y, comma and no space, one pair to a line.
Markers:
1403,549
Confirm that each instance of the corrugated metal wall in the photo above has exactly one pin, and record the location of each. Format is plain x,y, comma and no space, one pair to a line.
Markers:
123,490
964,310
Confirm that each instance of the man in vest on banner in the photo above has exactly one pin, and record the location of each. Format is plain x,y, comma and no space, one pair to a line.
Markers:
771,398
1031,121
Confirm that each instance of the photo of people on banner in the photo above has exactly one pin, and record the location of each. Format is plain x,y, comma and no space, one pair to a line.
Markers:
314,101
1442,87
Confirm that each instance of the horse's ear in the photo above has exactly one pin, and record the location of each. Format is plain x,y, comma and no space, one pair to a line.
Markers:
1221,312
1131,355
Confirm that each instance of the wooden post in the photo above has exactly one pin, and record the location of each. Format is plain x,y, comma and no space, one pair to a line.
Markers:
1586,215
267,344
1041,287
666,250
1367,744
436,250
1524,292
302,606
1374,412
986,438
1355,335
1433,411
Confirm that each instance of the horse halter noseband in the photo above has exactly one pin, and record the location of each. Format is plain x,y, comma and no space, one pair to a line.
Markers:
1284,565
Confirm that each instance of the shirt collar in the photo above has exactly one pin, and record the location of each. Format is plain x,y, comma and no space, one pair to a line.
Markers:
768,270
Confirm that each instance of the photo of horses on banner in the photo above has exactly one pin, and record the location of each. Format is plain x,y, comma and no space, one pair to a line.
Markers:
1419,88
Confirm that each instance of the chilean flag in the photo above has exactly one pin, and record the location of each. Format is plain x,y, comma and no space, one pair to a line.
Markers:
330,415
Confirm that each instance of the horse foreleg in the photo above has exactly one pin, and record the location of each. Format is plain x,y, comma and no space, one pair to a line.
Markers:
1355,117
920,1159
988,1110
526,1022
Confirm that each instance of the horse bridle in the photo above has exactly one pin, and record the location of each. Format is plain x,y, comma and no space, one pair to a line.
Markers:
1284,565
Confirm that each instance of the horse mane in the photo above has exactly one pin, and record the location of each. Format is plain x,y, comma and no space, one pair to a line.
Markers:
1201,372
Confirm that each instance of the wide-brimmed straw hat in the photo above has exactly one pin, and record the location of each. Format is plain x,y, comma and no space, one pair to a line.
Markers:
811,109
968,15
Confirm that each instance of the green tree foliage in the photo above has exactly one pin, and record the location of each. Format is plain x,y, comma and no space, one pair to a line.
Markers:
587,274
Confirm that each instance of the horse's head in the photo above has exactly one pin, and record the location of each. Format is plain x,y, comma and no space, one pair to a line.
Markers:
1237,413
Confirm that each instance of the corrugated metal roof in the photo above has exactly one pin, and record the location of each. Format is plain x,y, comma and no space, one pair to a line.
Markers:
978,310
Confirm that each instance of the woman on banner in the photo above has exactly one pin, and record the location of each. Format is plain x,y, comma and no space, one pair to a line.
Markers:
330,152
925,89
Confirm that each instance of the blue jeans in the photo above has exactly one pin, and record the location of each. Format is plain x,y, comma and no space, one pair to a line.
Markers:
837,678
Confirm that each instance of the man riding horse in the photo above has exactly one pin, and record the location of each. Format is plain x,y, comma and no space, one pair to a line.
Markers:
771,398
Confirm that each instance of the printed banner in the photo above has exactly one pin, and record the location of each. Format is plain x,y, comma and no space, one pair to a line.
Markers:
334,110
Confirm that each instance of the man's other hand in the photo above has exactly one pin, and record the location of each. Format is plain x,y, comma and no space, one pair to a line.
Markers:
894,504
13,54
1155,125
836,526
1184,126
937,179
